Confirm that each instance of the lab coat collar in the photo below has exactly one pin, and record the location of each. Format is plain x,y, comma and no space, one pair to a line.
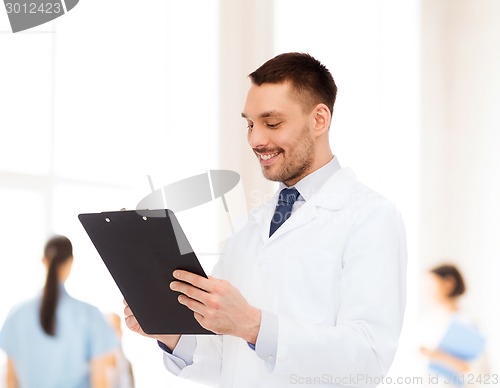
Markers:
312,183
332,196
336,190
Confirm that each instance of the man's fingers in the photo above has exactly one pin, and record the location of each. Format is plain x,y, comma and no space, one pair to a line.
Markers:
191,278
192,304
127,312
129,315
131,320
189,290
201,320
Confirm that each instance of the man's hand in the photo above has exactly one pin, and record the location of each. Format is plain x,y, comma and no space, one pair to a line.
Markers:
132,324
218,305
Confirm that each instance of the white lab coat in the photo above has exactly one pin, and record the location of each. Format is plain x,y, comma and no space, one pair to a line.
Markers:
334,274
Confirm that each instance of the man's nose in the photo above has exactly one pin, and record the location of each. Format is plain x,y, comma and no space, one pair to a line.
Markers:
257,137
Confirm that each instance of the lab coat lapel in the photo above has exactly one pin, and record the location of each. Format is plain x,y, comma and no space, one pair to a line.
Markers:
262,217
306,213
336,190
332,196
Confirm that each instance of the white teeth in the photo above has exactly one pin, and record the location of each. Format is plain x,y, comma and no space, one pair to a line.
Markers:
267,156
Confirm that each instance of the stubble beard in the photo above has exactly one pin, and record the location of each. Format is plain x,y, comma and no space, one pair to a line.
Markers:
296,164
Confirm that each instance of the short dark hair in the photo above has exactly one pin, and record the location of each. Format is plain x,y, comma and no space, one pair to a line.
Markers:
311,81
451,272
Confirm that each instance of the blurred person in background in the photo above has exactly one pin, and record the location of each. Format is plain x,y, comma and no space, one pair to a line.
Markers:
121,374
445,318
54,340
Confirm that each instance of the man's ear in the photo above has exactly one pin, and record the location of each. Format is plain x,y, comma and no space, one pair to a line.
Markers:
320,119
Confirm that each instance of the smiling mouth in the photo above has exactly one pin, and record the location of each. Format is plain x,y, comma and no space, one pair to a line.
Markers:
267,156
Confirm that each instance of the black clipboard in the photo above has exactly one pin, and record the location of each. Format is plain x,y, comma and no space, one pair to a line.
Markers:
141,250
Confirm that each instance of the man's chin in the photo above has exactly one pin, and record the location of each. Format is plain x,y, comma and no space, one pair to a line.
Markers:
271,175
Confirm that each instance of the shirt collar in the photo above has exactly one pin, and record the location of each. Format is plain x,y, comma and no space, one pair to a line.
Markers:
311,183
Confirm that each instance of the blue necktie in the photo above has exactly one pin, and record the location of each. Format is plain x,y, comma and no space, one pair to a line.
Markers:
284,208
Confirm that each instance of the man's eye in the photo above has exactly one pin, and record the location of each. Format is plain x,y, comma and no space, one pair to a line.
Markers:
273,125
250,125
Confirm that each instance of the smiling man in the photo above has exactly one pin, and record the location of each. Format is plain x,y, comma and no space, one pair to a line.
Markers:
312,289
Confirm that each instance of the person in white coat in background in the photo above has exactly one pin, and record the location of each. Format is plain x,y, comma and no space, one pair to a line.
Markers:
312,289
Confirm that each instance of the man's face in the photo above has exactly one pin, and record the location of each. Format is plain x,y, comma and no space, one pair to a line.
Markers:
279,133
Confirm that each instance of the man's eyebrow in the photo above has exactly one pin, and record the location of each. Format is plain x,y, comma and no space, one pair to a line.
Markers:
264,115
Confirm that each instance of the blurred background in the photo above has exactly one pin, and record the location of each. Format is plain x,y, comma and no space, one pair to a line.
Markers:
93,102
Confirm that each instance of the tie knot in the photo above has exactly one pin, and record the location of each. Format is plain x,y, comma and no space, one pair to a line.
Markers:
288,196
